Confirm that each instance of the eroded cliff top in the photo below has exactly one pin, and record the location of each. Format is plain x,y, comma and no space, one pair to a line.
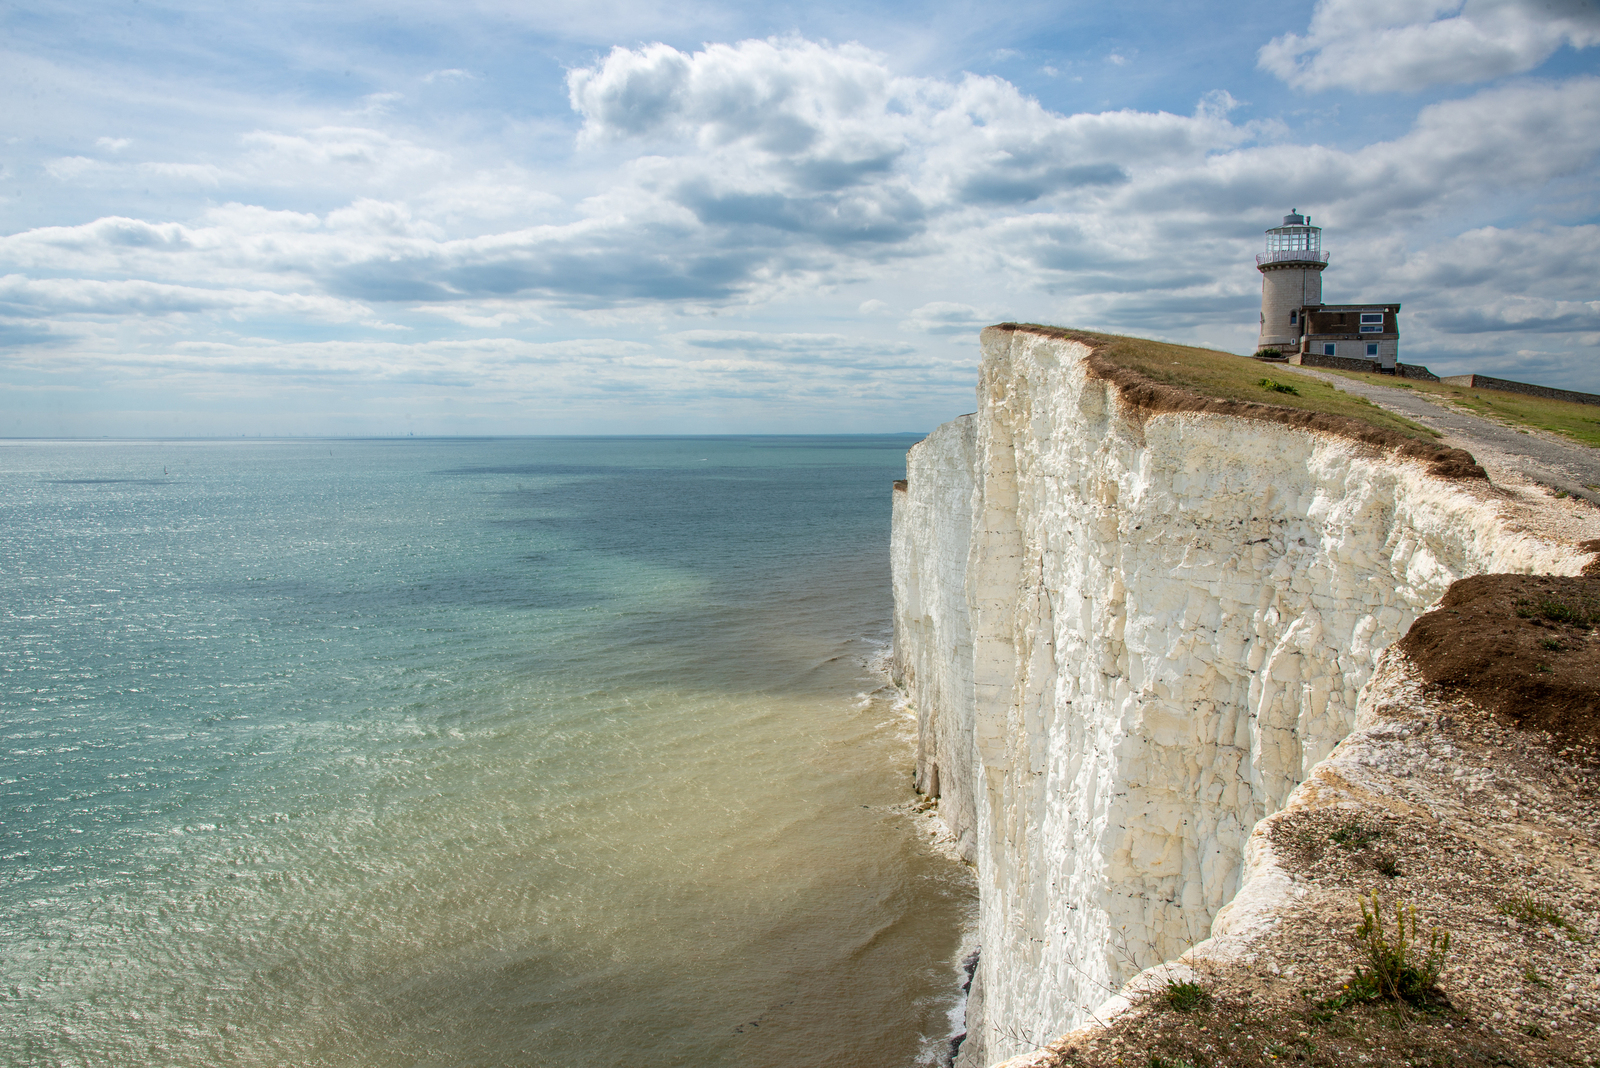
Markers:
1525,647
1158,377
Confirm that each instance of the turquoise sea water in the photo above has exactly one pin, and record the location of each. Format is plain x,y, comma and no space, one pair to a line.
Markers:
543,752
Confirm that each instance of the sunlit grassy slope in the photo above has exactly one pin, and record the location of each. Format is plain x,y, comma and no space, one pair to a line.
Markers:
1222,374
1581,422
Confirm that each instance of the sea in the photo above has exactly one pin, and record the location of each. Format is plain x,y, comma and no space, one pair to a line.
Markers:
461,752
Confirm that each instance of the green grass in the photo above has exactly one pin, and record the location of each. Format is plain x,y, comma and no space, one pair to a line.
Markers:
1585,614
1525,908
1580,422
1229,377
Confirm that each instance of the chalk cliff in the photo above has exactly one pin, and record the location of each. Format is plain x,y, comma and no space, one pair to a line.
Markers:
1130,629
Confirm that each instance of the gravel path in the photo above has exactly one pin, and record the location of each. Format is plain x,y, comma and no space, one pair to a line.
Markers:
1503,451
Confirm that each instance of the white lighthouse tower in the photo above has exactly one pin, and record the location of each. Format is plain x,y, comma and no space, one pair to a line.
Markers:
1291,280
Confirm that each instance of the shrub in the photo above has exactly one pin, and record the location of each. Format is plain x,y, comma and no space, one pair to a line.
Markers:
1400,967
1186,996
1277,387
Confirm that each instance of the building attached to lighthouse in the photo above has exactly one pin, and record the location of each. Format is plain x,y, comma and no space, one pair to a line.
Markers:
1293,317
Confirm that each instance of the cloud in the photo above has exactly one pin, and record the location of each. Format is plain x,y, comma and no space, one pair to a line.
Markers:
78,296
884,169
112,144
1380,46
800,349
946,317
784,173
1523,134
1492,280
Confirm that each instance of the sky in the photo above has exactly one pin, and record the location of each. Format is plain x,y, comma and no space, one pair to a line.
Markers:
487,217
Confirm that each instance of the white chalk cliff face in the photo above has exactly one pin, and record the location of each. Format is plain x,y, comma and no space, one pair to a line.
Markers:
1128,636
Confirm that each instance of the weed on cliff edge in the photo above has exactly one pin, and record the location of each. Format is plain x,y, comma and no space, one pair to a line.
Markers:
1400,968
1525,908
1186,996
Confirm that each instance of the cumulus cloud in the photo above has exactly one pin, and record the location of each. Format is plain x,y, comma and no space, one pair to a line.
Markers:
743,176
1492,281
1386,45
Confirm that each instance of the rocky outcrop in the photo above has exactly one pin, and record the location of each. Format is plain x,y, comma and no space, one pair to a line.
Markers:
1130,629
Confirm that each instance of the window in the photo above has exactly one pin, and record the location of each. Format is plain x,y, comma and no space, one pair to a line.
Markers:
1372,322
1372,349
1293,318
1327,348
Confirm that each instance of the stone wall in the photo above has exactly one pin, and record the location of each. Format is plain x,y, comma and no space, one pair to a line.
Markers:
1505,385
1341,363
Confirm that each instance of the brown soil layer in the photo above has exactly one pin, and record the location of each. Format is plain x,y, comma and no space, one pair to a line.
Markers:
1524,646
1156,398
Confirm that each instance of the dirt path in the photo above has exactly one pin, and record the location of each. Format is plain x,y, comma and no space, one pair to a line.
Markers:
1508,454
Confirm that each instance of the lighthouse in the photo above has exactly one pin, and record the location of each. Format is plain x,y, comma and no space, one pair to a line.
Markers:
1296,324
1291,280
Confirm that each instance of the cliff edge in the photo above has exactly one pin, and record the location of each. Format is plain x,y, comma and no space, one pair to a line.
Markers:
1133,619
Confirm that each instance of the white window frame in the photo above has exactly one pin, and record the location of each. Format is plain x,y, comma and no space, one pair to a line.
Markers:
1371,322
1372,350
1328,348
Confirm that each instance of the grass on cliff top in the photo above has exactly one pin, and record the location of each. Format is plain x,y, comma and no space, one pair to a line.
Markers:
1580,422
1230,377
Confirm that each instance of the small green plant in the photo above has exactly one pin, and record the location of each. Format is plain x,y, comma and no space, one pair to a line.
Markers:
1387,866
1353,836
1531,976
1552,644
1585,615
1358,991
1277,387
1186,996
1400,966
1158,1061
1533,1031
1525,908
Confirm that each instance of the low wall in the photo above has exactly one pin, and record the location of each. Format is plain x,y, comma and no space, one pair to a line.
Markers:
1505,385
1344,363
